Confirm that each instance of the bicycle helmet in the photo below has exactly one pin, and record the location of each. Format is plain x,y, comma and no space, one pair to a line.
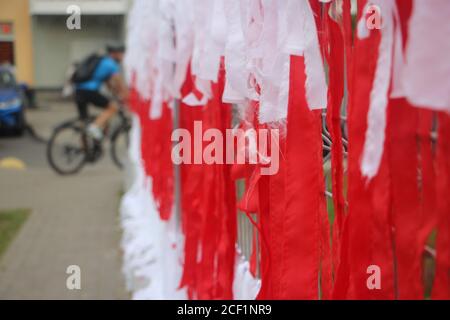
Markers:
115,47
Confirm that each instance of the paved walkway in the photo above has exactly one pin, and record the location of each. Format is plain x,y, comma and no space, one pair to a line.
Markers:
74,221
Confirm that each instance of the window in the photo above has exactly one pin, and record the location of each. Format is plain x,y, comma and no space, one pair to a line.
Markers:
7,52
6,43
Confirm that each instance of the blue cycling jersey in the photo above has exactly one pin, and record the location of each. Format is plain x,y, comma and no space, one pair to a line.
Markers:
106,68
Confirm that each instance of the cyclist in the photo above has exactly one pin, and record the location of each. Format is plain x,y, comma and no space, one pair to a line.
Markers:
88,92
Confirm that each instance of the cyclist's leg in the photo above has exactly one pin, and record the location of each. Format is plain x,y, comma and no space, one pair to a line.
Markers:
110,109
82,104
103,118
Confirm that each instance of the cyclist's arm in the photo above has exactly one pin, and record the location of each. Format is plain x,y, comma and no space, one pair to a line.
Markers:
118,86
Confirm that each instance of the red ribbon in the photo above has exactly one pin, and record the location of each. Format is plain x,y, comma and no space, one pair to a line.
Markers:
441,287
209,208
303,194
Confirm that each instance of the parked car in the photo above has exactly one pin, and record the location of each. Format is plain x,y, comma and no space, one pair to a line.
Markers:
12,103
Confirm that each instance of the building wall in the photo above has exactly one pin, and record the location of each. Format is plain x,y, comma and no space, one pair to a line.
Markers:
56,47
17,12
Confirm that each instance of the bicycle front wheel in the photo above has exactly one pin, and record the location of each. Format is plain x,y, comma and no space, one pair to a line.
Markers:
119,146
66,149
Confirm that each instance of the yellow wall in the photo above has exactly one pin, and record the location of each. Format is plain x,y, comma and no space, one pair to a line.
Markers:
17,12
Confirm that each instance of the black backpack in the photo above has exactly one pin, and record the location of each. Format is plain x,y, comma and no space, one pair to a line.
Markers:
85,70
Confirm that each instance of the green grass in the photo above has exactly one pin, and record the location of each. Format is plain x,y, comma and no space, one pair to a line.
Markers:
10,223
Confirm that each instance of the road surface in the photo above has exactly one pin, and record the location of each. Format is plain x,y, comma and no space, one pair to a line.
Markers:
74,220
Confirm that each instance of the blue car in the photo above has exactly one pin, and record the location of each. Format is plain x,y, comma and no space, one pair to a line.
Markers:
12,106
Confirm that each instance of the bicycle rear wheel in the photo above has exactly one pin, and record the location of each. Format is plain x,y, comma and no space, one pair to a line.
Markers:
67,149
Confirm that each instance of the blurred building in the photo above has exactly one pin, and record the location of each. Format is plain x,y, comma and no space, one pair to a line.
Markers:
35,36
16,38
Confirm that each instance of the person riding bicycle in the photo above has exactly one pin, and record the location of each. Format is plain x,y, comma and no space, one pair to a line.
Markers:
107,70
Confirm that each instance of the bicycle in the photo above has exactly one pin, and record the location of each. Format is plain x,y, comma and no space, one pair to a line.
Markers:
69,157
